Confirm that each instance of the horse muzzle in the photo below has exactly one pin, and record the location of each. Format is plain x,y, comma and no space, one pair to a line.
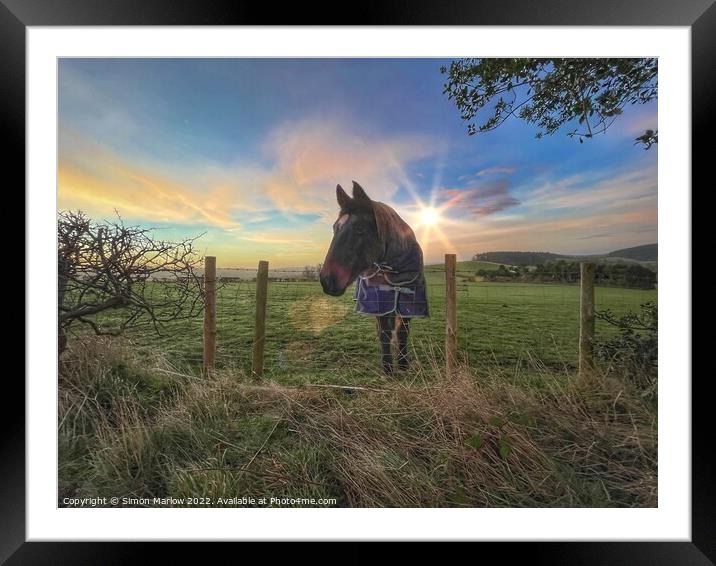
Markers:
331,285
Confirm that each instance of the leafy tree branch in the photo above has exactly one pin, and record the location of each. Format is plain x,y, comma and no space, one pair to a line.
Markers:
586,95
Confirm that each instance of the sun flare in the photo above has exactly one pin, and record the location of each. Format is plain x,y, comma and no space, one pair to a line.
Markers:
429,216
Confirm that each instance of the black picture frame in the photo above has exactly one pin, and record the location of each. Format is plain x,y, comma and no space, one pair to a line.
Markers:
17,15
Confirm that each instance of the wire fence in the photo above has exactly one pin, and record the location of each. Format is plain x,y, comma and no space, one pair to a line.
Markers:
501,319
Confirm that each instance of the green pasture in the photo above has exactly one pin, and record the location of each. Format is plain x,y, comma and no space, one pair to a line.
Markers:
312,334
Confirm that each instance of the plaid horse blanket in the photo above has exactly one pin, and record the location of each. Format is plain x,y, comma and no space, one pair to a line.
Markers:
408,300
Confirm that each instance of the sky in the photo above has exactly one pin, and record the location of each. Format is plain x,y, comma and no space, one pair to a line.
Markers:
248,152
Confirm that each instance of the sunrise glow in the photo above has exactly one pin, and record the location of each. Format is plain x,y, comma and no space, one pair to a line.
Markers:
429,216
222,150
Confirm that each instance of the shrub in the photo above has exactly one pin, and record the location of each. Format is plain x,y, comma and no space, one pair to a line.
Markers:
633,353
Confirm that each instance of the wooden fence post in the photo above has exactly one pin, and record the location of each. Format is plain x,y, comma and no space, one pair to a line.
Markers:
586,319
450,313
257,360
209,314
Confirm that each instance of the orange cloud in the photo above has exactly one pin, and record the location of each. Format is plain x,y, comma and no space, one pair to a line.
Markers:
141,194
311,156
305,160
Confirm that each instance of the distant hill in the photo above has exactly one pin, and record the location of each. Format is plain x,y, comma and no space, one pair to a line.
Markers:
517,258
648,252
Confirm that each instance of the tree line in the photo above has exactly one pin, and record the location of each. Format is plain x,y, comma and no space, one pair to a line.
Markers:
627,275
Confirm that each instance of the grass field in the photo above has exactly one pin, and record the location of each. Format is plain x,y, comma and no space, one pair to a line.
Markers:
311,333
512,427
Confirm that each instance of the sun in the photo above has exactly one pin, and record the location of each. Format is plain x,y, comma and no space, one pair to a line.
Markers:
429,216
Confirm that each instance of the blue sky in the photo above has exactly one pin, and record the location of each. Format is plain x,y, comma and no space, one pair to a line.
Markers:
248,152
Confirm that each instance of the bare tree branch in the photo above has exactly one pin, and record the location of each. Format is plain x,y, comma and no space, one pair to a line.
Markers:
112,277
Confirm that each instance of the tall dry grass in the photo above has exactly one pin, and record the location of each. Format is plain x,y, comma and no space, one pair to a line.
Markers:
488,436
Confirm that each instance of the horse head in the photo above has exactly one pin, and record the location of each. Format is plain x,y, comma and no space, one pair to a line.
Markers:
366,233
356,243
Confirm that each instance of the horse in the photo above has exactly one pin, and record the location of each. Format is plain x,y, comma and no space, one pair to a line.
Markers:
373,246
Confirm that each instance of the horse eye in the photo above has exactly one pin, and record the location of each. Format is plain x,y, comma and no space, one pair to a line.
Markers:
360,229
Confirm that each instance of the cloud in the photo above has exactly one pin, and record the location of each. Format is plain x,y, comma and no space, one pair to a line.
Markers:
495,171
138,193
84,102
299,165
495,205
311,156
580,192
592,236
565,235
271,238
487,172
637,121
589,212
480,199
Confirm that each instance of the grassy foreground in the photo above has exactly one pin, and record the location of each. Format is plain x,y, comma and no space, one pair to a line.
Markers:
521,436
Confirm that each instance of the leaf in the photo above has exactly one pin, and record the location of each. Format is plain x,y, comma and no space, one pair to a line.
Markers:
497,421
524,420
603,84
476,441
505,446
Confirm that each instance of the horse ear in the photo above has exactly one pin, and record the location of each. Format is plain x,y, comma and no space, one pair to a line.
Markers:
360,196
342,196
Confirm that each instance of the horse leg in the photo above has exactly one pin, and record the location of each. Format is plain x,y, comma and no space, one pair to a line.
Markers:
402,329
385,333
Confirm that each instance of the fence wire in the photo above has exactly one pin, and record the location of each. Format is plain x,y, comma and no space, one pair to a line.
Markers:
500,320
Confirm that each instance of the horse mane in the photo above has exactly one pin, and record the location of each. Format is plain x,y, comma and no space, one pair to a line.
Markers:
391,227
401,248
